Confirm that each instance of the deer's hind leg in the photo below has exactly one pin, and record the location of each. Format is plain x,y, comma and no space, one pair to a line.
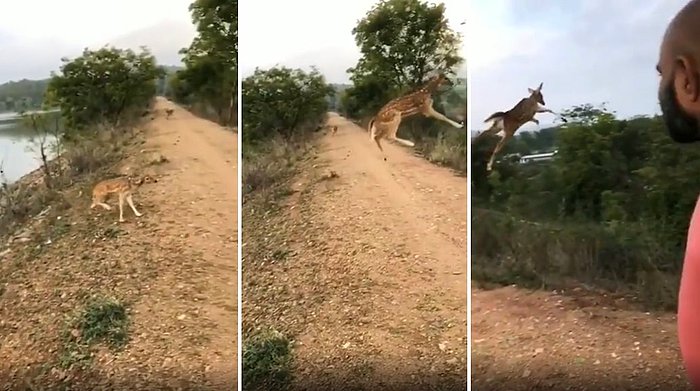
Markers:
98,200
496,127
393,128
375,133
507,136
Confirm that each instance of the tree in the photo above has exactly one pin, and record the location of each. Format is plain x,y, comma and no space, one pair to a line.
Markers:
22,94
283,101
211,60
402,42
103,85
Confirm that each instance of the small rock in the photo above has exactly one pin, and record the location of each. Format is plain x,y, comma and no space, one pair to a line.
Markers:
346,345
181,317
526,373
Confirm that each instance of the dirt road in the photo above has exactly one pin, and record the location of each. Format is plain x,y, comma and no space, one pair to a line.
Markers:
197,203
373,288
524,340
174,269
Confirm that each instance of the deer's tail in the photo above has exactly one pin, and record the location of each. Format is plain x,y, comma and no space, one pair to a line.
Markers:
496,115
369,127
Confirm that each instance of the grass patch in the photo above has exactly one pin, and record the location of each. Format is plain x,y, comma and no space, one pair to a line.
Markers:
267,171
267,358
448,149
103,320
507,250
266,165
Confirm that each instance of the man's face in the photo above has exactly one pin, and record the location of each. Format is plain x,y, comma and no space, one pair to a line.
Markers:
681,126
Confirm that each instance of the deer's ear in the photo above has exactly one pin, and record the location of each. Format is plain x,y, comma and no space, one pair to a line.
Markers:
540,87
530,90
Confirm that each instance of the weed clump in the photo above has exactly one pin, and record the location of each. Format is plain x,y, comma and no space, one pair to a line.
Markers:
267,359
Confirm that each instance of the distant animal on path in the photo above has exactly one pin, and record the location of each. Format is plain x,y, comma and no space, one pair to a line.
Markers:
168,113
510,121
386,122
124,187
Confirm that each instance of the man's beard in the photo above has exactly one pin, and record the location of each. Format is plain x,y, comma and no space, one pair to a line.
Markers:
682,127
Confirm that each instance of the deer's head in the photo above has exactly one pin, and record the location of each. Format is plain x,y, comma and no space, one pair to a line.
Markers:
536,94
438,82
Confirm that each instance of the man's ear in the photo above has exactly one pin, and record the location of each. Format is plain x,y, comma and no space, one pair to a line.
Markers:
686,84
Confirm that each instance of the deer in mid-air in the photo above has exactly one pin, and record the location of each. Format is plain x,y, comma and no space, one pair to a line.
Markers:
510,121
386,122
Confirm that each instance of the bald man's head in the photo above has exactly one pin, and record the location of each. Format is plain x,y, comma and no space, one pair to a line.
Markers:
679,87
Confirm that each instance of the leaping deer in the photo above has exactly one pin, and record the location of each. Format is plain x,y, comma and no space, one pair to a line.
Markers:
386,122
510,121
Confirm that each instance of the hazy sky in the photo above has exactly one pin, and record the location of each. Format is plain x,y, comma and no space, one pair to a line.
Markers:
585,51
302,33
35,34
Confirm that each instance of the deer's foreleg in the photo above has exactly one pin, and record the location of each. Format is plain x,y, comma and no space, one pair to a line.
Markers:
428,111
542,109
507,136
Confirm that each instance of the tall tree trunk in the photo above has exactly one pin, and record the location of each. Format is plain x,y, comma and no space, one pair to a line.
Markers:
232,108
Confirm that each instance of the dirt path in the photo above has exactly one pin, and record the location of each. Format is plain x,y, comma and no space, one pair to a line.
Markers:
185,323
375,281
525,340
196,198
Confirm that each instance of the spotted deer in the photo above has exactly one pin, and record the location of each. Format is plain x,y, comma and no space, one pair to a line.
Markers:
510,121
124,187
386,122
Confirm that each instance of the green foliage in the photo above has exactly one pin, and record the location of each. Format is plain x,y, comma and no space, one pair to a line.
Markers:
402,42
22,95
103,85
283,101
102,320
211,60
164,83
267,361
626,178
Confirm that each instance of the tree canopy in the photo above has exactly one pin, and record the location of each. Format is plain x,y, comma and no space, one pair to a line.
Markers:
402,42
283,101
103,85
22,94
211,61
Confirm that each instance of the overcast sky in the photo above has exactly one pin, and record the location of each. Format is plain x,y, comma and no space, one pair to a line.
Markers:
35,34
585,51
302,33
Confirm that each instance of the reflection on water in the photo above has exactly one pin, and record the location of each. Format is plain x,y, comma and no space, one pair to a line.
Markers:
18,154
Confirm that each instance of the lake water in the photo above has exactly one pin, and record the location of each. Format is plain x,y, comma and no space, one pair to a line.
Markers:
19,155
